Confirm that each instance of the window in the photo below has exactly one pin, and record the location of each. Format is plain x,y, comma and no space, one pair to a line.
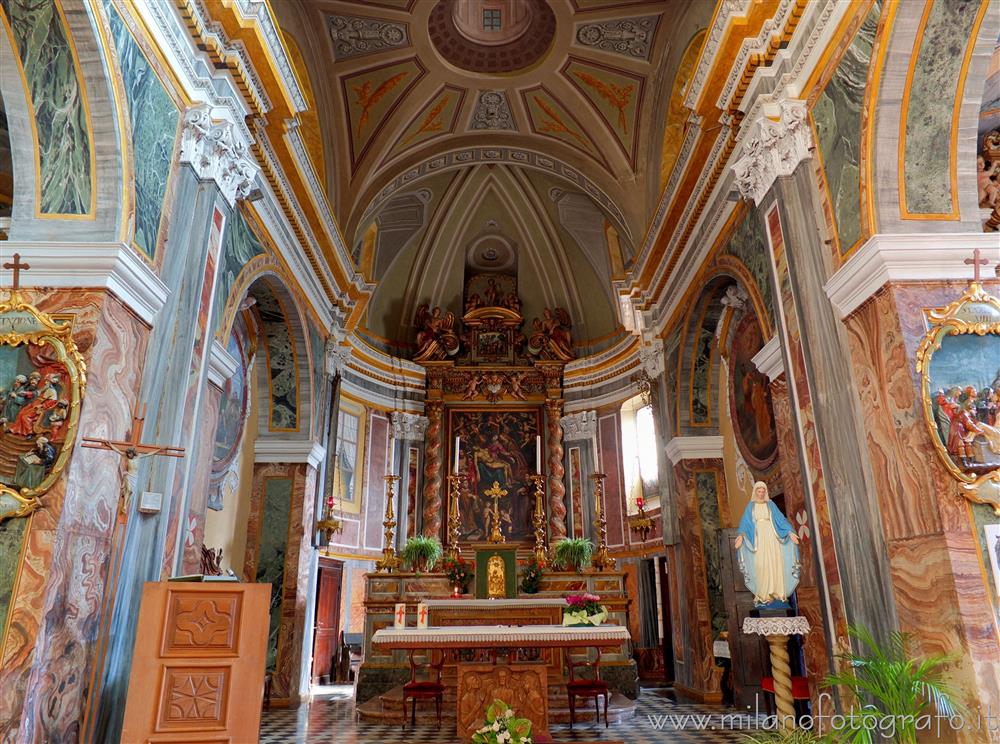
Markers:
491,19
348,462
639,454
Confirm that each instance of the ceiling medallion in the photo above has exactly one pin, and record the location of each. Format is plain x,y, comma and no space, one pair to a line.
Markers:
492,36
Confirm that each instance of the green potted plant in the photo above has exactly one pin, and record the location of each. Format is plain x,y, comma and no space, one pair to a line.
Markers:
894,687
531,578
502,726
572,553
421,553
459,574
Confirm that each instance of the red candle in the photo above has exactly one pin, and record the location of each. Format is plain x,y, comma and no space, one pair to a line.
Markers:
639,501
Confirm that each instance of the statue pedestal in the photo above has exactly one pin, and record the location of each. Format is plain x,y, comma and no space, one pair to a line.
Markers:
777,630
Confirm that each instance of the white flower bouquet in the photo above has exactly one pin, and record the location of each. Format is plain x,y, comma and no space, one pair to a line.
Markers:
502,727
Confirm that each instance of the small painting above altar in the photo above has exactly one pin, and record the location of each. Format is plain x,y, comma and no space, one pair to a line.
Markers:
496,445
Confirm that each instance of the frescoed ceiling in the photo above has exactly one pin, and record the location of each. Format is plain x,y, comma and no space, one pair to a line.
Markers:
435,124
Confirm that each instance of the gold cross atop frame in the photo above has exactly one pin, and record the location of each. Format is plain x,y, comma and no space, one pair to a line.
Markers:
495,492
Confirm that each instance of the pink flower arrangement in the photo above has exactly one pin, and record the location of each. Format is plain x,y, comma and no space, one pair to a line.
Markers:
589,604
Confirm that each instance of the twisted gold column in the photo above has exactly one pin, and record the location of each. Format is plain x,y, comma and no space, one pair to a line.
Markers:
432,470
781,671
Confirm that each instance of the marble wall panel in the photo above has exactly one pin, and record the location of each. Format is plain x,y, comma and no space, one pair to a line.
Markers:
200,474
282,361
707,492
837,115
609,441
748,243
54,613
927,162
55,85
154,123
272,546
239,245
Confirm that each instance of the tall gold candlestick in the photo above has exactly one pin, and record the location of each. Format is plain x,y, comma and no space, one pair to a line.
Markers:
455,484
389,559
601,559
538,520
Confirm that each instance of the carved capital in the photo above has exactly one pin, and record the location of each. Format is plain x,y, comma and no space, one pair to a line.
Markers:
338,355
651,358
773,146
217,153
409,426
577,426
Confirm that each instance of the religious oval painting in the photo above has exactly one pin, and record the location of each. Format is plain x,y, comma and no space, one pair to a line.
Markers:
959,363
750,397
41,383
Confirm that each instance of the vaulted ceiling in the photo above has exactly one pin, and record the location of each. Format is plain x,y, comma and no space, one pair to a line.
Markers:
438,130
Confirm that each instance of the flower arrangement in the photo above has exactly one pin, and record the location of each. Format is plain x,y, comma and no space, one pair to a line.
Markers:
502,727
458,572
531,578
421,553
584,609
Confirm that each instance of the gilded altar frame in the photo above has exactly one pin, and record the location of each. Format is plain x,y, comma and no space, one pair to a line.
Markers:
975,313
21,325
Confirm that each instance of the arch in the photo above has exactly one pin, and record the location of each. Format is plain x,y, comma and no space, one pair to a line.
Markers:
50,204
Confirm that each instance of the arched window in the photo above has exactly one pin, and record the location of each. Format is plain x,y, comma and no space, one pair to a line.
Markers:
639,454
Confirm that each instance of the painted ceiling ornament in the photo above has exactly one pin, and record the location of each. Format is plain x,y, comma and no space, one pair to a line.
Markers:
629,37
217,153
354,36
774,146
957,361
492,111
767,548
41,388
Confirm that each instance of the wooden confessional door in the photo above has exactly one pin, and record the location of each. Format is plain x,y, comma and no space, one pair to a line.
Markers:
749,653
667,628
326,632
198,665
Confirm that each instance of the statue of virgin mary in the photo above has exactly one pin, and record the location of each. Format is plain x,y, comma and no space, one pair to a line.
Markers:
768,552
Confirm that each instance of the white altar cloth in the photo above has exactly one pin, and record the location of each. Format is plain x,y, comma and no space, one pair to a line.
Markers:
485,604
501,636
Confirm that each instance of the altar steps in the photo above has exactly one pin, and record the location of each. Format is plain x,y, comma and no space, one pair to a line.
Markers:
388,708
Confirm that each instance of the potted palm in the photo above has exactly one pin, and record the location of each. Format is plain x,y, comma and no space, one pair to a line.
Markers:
421,553
572,553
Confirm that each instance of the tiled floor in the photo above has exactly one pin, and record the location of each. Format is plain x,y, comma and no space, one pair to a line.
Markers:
658,720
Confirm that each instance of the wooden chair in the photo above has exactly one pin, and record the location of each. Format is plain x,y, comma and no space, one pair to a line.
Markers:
349,657
586,688
429,689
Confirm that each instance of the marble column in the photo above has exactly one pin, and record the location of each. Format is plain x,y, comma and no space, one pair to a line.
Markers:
432,470
556,486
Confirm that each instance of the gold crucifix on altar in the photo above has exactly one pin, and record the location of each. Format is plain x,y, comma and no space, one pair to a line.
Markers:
495,492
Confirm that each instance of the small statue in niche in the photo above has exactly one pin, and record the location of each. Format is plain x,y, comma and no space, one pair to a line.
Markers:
550,337
436,338
492,293
473,303
512,302
767,550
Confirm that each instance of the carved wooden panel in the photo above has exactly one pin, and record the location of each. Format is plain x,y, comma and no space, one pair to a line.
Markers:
204,622
198,669
524,687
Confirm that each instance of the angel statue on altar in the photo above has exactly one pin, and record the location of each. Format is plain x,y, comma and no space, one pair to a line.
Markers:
768,551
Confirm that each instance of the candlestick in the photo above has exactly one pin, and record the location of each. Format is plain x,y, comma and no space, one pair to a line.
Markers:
538,520
601,558
389,559
392,454
458,449
538,454
455,483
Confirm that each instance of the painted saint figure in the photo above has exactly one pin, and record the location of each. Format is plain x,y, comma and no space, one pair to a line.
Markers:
33,466
767,548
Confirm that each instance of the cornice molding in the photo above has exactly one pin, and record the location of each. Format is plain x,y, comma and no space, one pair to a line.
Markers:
217,152
693,448
769,360
221,365
284,450
115,267
409,427
894,257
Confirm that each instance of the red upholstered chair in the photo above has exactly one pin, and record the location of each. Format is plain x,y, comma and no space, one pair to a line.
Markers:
594,687
428,689
800,690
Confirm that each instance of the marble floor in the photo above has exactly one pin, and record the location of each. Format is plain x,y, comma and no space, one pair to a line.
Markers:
658,720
